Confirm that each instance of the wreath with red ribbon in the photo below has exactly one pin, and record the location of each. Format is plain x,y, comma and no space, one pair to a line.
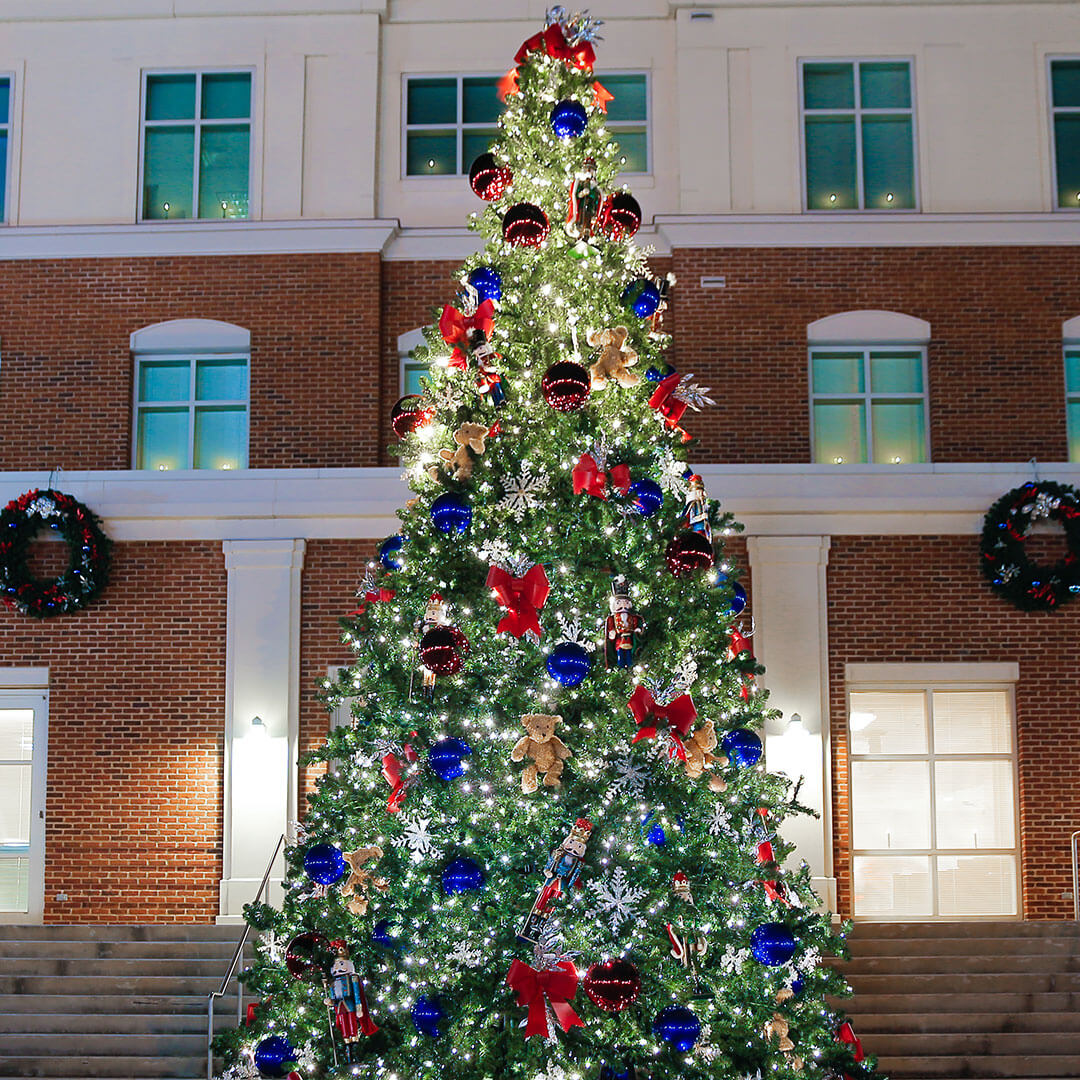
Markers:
1005,562
20,522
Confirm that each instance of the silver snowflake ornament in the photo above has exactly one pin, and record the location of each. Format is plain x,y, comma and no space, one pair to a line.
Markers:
43,507
616,898
466,953
495,551
671,474
271,945
629,779
570,629
416,836
720,821
522,491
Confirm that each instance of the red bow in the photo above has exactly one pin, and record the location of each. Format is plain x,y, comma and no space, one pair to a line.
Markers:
601,96
455,326
532,987
523,597
391,770
373,596
507,86
679,717
739,644
669,407
589,478
774,891
845,1033
553,42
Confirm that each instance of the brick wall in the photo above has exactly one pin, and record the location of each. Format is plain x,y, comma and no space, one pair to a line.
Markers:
922,599
136,691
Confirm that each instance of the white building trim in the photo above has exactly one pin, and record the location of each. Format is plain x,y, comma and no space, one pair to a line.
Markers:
868,327
191,335
1070,329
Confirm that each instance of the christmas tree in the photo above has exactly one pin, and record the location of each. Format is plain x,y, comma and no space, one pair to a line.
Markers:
547,846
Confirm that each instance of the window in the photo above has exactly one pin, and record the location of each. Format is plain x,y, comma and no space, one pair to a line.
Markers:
858,124
933,805
196,159
450,120
1072,394
5,140
1065,118
191,395
411,370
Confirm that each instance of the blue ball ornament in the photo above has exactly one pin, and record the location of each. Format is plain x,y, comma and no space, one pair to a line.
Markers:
772,944
451,513
427,1014
648,497
738,599
381,935
462,875
678,1026
487,281
388,551
742,747
569,119
797,986
653,831
324,864
642,297
272,1055
445,758
568,663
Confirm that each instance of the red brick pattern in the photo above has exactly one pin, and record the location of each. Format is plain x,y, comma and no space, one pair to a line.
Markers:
136,715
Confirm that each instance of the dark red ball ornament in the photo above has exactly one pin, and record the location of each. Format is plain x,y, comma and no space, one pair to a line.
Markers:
566,386
308,956
613,985
410,414
621,216
443,649
488,178
525,225
688,553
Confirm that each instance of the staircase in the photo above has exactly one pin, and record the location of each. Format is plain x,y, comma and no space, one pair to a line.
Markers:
978,1000
117,1002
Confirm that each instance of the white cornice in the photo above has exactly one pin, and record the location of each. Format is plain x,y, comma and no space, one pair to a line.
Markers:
771,500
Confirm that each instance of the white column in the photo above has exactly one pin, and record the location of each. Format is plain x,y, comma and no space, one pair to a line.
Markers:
791,640
262,679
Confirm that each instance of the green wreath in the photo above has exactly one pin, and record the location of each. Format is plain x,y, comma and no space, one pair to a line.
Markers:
87,575
1005,563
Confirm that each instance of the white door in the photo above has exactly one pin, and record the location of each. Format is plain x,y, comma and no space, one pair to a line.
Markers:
23,727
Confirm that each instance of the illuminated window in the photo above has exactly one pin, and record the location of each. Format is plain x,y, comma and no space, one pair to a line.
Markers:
1072,397
411,371
5,140
1065,119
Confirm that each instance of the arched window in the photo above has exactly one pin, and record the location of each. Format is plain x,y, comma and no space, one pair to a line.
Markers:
868,388
1070,335
411,370
191,395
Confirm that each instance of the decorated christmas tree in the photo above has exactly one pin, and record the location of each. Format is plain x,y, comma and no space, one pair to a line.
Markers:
547,846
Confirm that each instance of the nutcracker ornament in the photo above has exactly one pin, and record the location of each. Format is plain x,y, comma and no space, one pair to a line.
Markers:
663,287
561,872
696,512
435,615
585,200
346,997
687,940
622,626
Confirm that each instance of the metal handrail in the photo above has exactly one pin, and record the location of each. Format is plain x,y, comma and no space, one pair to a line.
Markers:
220,991
1076,873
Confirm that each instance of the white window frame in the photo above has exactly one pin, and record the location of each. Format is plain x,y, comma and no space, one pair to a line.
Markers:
192,340
197,123
615,126
1052,111
405,344
6,126
928,678
1072,397
858,112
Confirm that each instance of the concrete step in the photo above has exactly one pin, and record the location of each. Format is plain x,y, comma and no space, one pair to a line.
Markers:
1022,1067
115,1002
102,932
85,1044
90,950
114,967
899,1002
967,930
151,984
990,963
949,983
84,1067
923,946
870,1024
126,1023
994,1045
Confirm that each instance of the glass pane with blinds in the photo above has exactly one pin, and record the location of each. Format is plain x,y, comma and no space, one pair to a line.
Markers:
1072,371
480,102
474,142
885,84
220,437
633,149
899,432
412,375
972,722
164,380
830,163
829,86
838,372
840,432
16,734
975,806
888,163
890,804
896,372
226,96
221,380
1065,83
888,723
162,439
892,886
15,803
431,101
1073,413
1067,157
976,885
432,153
630,100
168,172
14,883
224,156
170,97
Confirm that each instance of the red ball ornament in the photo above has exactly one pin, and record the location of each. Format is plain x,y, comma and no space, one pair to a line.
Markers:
525,225
688,553
566,386
613,985
409,414
308,956
442,650
488,178
620,217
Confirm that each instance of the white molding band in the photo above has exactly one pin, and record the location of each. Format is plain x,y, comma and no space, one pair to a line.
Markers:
23,678
195,335
868,327
929,674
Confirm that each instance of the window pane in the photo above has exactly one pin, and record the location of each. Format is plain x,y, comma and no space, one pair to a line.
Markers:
221,380
885,85
1072,371
226,96
170,97
1073,411
15,804
162,439
891,886
976,885
971,722
899,432
14,884
432,101
168,172
1065,82
5,101
888,723
16,734
430,154
840,433
413,374
1067,154
896,372
475,141
890,804
631,98
828,86
634,149
221,438
975,807
888,162
3,172
830,163
164,380
838,373
223,171
480,102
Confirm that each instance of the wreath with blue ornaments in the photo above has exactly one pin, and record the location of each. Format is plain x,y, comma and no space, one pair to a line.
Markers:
1005,562
20,521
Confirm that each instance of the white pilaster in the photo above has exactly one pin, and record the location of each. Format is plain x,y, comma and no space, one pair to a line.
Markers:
262,679
791,640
